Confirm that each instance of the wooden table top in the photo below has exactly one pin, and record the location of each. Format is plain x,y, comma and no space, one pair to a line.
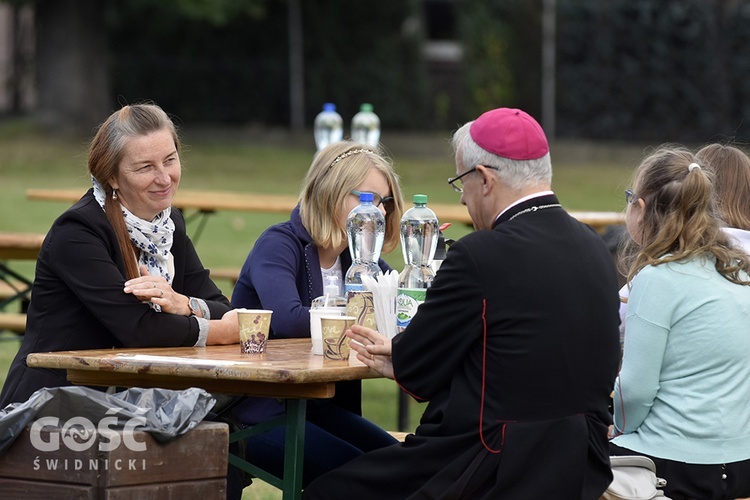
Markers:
211,201
287,368
20,246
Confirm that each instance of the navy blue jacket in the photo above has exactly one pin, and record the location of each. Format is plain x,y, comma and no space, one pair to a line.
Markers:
282,273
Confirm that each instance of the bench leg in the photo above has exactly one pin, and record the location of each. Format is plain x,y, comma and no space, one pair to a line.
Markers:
294,448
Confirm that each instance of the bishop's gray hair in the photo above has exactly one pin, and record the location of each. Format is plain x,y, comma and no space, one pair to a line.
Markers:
515,173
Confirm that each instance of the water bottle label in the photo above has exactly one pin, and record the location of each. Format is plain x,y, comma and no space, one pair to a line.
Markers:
353,287
407,303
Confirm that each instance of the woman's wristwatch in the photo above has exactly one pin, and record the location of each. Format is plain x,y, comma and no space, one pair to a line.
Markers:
195,307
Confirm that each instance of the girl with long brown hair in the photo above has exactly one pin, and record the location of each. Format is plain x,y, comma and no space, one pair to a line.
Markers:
682,392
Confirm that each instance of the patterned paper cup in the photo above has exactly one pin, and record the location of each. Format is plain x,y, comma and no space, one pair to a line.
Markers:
335,341
360,305
254,327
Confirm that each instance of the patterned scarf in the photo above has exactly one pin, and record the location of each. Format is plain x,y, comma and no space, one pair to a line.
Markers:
153,238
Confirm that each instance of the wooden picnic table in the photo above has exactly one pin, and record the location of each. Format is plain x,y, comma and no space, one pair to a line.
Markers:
20,246
287,370
207,202
14,285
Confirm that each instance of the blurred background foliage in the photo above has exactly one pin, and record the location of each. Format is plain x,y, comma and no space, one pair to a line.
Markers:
234,68
673,70
638,69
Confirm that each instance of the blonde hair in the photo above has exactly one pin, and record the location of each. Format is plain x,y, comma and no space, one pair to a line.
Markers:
680,220
731,178
335,172
106,152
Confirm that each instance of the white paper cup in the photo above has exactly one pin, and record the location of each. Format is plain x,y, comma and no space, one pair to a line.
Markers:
316,334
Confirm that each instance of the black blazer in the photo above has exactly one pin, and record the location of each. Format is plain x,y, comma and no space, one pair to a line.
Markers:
78,303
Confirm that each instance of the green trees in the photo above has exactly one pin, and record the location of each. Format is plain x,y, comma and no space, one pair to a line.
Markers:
237,71
626,69
637,69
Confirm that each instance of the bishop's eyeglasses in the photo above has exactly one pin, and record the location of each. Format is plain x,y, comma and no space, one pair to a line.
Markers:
458,185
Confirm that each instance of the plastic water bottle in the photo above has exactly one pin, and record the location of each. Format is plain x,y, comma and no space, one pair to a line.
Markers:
366,126
328,126
419,238
441,250
365,229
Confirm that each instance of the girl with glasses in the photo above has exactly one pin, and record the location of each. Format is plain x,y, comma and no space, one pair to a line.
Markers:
681,395
285,271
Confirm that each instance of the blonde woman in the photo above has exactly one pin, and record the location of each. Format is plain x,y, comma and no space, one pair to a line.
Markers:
284,273
682,394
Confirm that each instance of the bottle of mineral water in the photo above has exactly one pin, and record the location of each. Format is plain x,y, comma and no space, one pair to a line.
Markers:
419,237
441,250
365,229
366,126
328,126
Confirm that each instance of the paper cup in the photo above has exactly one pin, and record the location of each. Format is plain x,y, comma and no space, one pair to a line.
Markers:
254,327
316,335
360,305
335,341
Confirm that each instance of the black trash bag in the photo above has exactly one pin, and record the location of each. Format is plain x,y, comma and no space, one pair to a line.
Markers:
164,413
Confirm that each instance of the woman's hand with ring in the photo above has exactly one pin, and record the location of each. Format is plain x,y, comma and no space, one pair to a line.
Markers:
156,289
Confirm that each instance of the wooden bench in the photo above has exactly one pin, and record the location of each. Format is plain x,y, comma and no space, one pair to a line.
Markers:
16,246
11,288
20,246
15,322
231,274
400,436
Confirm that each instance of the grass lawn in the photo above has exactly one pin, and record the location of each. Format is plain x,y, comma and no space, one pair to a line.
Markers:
586,177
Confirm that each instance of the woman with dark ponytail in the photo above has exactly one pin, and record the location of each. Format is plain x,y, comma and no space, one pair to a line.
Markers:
117,269
682,394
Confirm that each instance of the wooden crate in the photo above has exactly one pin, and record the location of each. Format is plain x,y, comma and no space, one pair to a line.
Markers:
191,466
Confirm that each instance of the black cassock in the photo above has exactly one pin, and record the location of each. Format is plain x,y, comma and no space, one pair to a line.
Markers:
516,349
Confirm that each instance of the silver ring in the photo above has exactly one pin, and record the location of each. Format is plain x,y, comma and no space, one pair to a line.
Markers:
162,293
154,283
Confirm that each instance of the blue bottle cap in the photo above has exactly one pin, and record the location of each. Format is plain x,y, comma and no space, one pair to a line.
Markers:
365,196
329,106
